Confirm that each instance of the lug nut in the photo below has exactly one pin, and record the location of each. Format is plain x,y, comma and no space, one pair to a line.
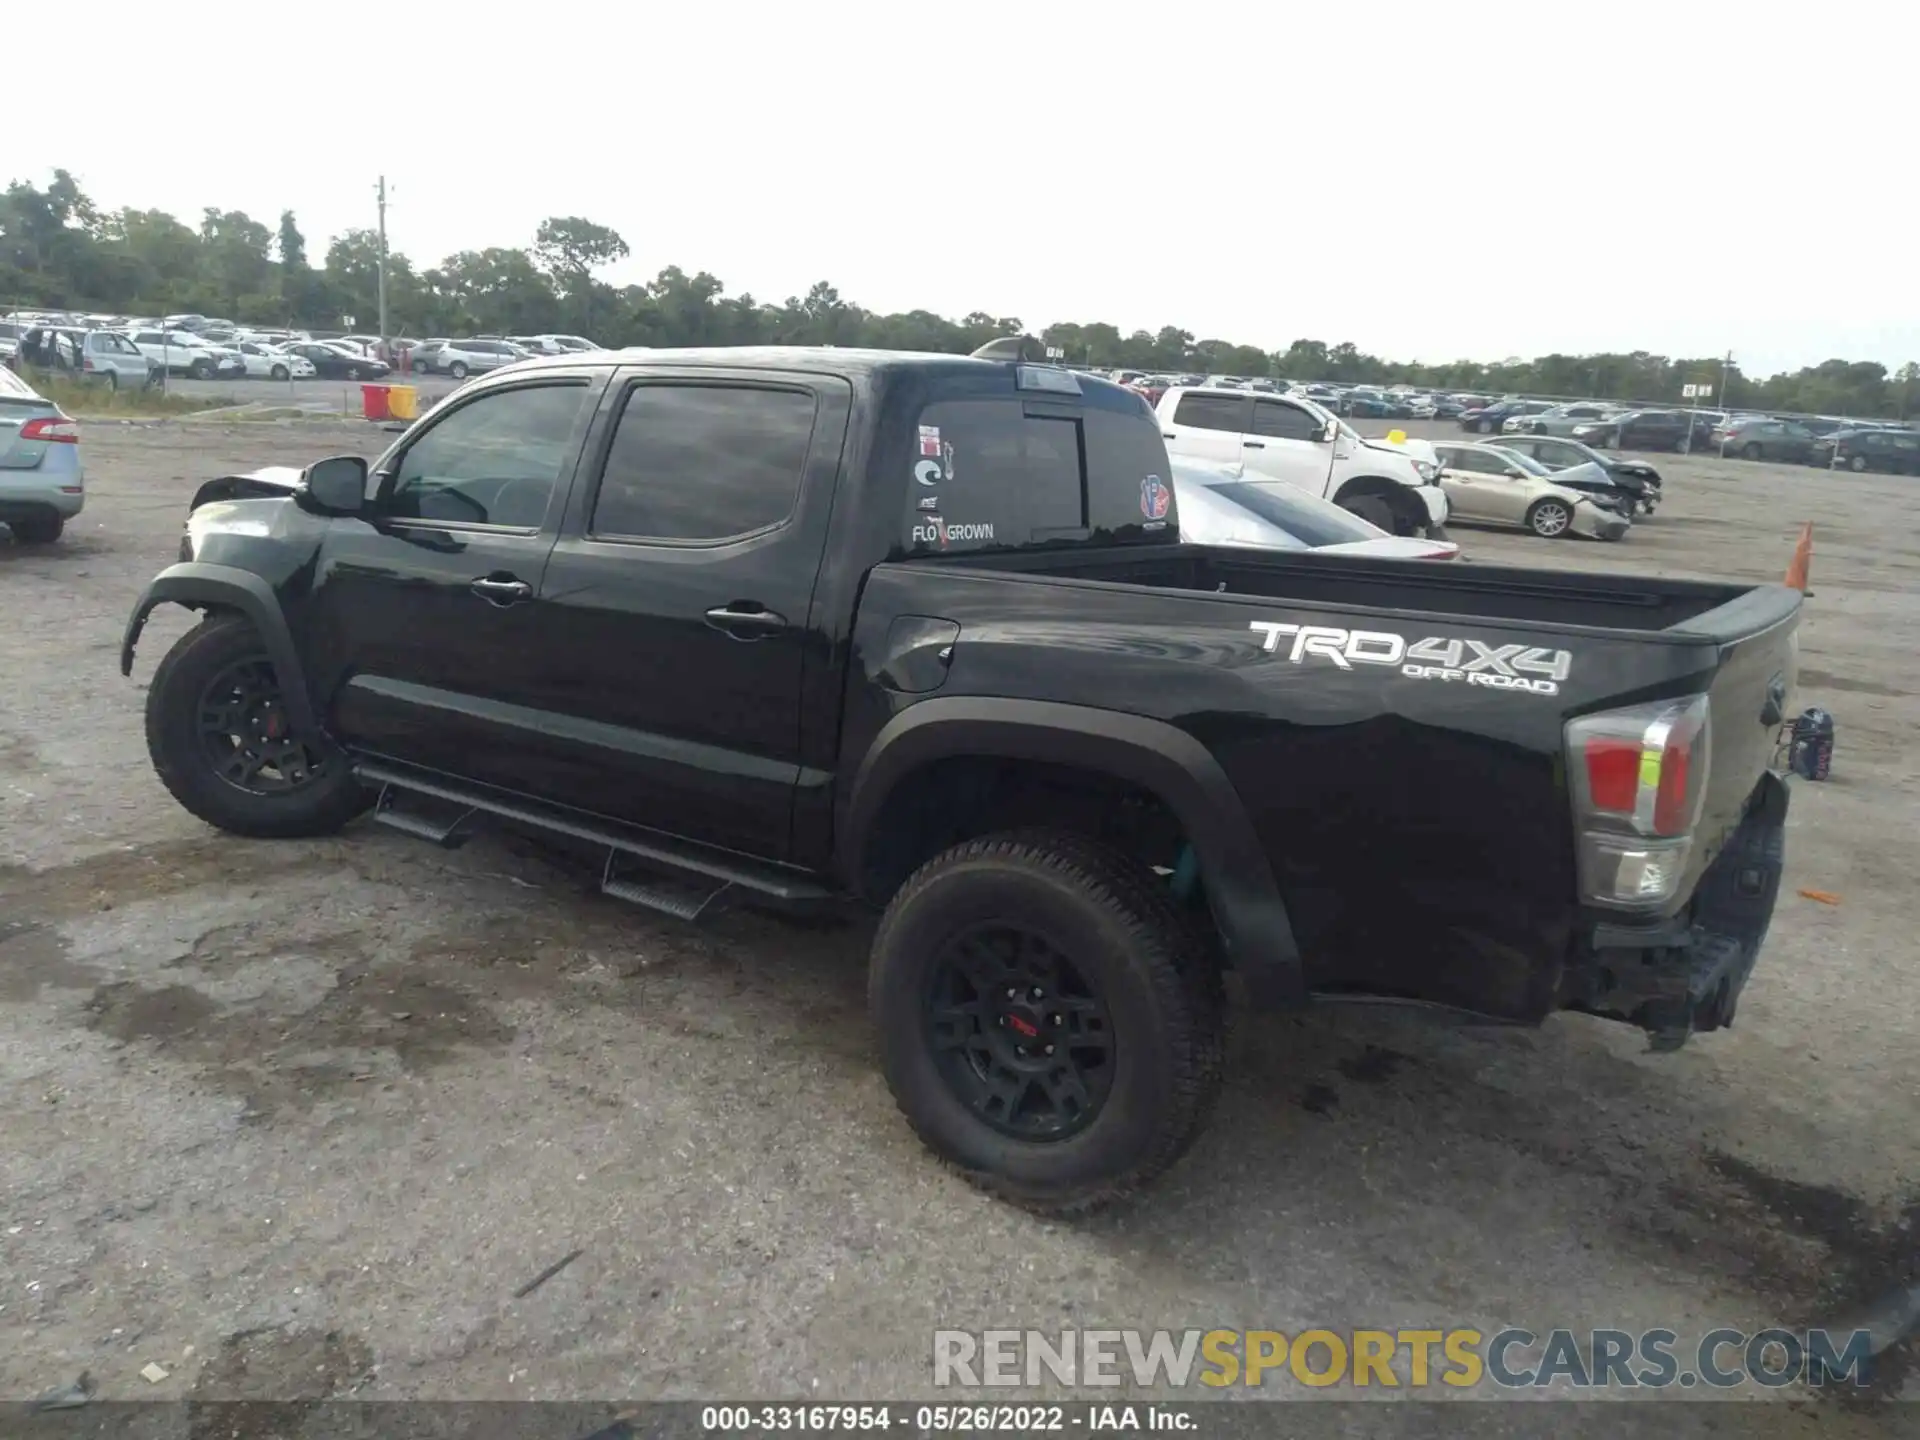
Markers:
1012,993
1053,1019
1036,993
1048,1050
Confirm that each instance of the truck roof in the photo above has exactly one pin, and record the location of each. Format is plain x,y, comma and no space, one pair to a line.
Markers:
820,359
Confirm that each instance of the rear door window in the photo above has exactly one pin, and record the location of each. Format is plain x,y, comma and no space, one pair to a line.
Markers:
703,463
1214,412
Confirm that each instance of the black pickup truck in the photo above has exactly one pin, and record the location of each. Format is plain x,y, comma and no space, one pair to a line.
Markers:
807,628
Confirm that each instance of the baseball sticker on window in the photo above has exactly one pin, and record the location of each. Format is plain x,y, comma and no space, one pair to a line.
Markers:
1155,498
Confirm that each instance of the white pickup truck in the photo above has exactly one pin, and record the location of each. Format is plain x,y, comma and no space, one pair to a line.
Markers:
1290,438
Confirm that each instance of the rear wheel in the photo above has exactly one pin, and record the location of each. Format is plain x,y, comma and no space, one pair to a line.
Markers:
1049,1023
458,369
42,528
1752,450
1857,463
1550,518
1485,427
223,744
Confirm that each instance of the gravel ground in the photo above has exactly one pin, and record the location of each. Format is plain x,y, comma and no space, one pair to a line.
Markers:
300,1118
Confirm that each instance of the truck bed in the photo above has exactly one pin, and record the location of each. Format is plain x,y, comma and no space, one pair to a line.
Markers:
1557,598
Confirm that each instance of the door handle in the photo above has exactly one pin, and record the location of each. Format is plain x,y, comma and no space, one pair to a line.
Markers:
501,592
745,624
1254,444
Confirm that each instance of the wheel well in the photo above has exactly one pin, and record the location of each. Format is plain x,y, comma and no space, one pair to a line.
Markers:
961,798
1404,506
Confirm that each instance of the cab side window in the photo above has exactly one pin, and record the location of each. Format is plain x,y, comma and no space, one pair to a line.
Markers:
496,460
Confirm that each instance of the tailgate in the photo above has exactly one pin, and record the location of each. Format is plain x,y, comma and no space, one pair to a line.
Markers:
1751,694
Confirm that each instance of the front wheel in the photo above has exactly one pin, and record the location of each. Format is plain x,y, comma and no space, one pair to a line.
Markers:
223,744
279,372
1752,450
1049,1023
1550,519
458,369
353,372
1857,463
1374,510
202,369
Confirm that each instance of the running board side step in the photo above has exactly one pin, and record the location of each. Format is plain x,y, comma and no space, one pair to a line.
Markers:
686,881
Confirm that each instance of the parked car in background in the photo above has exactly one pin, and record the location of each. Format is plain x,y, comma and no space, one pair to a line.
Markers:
1447,407
1223,505
1637,430
10,333
43,482
1589,477
1490,418
1289,438
461,358
1490,486
183,352
1558,419
1766,440
331,362
98,357
270,362
1636,477
1897,452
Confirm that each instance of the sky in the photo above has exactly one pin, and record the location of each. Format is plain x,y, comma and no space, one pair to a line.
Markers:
1428,181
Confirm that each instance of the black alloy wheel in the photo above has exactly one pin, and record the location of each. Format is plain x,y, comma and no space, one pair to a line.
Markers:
246,736
1022,1039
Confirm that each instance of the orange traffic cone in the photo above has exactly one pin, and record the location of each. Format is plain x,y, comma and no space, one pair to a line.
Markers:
1798,571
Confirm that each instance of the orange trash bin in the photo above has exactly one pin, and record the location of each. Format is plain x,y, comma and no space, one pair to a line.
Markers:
373,403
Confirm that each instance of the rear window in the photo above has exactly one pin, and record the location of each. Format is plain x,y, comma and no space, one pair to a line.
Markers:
1314,521
986,473
1006,471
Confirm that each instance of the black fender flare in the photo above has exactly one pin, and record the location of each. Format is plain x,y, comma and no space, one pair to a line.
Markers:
1157,757
202,587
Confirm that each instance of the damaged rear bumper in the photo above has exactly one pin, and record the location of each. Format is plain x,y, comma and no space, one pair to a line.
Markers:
1686,974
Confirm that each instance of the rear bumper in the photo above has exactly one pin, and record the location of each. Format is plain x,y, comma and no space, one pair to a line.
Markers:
57,484
1673,978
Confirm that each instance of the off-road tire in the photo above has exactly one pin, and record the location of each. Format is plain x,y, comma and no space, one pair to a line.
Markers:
1119,926
320,807
42,529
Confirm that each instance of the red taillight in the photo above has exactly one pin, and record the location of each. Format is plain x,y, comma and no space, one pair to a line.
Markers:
54,429
1639,785
1613,774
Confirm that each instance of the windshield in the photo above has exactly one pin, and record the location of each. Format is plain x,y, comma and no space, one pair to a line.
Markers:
1312,520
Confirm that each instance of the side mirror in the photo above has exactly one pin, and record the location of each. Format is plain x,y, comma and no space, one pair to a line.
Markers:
1327,432
335,487
1514,472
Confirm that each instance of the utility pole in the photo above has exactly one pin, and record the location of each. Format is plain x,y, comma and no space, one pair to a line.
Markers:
382,191
1726,404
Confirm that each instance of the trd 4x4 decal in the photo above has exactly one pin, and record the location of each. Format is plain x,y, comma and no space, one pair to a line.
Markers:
1500,667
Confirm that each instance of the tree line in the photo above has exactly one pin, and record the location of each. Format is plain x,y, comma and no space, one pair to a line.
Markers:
60,250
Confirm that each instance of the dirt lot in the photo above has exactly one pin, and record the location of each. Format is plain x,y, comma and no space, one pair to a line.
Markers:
300,1118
